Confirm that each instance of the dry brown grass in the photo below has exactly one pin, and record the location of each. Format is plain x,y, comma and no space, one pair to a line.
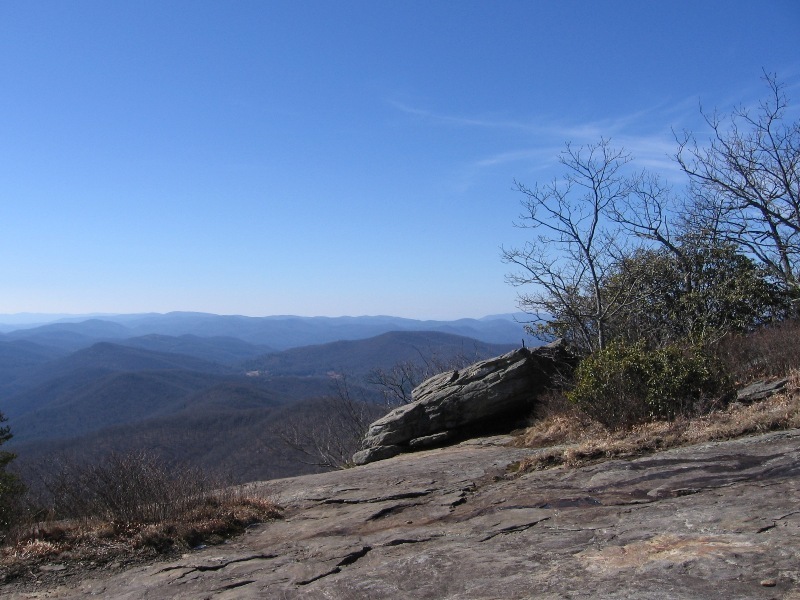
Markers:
571,439
557,421
80,544
566,436
122,510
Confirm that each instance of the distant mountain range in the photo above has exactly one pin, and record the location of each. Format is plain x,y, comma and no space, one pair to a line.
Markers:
174,382
276,332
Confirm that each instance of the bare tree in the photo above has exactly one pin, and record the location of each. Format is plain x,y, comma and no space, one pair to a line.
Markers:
576,246
622,255
747,181
648,212
396,384
331,433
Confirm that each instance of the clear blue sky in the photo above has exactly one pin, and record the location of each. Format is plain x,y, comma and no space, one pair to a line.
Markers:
330,157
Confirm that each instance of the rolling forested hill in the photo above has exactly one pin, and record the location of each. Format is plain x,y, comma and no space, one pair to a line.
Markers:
219,402
383,351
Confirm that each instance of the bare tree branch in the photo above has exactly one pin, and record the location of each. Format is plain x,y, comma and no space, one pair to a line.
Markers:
575,245
750,173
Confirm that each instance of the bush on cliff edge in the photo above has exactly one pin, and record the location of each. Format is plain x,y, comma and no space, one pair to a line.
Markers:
624,384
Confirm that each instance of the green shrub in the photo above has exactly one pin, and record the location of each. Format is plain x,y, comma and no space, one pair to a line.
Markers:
622,385
11,487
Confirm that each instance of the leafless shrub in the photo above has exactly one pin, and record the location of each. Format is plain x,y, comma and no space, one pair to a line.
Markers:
130,505
137,487
770,351
396,384
330,432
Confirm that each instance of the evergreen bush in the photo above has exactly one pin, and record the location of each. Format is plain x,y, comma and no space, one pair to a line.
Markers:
625,384
11,487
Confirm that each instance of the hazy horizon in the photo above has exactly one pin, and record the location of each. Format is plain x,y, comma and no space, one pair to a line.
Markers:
26,318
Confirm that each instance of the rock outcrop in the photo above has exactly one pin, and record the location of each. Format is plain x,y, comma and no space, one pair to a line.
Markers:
761,390
715,521
476,400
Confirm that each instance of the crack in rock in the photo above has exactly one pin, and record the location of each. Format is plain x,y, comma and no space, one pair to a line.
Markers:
401,496
401,541
685,492
513,529
459,501
233,586
320,576
787,515
348,559
581,502
222,565
462,495
354,556
775,521
389,510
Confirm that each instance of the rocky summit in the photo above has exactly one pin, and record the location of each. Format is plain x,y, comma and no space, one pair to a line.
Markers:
716,520
487,396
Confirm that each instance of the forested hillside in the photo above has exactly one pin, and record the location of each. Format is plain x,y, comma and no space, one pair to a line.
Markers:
228,416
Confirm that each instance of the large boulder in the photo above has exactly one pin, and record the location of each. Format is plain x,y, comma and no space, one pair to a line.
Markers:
482,398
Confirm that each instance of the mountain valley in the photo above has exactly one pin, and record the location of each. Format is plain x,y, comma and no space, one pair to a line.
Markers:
185,386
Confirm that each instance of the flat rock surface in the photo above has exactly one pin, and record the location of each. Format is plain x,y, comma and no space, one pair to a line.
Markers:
717,520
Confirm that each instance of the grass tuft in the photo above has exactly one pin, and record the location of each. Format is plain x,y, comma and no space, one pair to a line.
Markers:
572,441
566,435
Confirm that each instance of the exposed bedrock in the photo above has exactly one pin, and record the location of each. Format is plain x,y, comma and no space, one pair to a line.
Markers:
484,398
717,521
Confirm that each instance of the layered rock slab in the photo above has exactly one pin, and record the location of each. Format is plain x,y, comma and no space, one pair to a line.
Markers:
455,404
716,520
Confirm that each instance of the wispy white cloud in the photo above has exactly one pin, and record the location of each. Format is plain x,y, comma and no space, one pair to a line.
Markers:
645,133
529,154
558,126
483,122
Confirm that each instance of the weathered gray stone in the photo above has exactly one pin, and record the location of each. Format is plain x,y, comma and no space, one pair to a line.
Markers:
760,390
473,400
715,521
429,441
369,455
